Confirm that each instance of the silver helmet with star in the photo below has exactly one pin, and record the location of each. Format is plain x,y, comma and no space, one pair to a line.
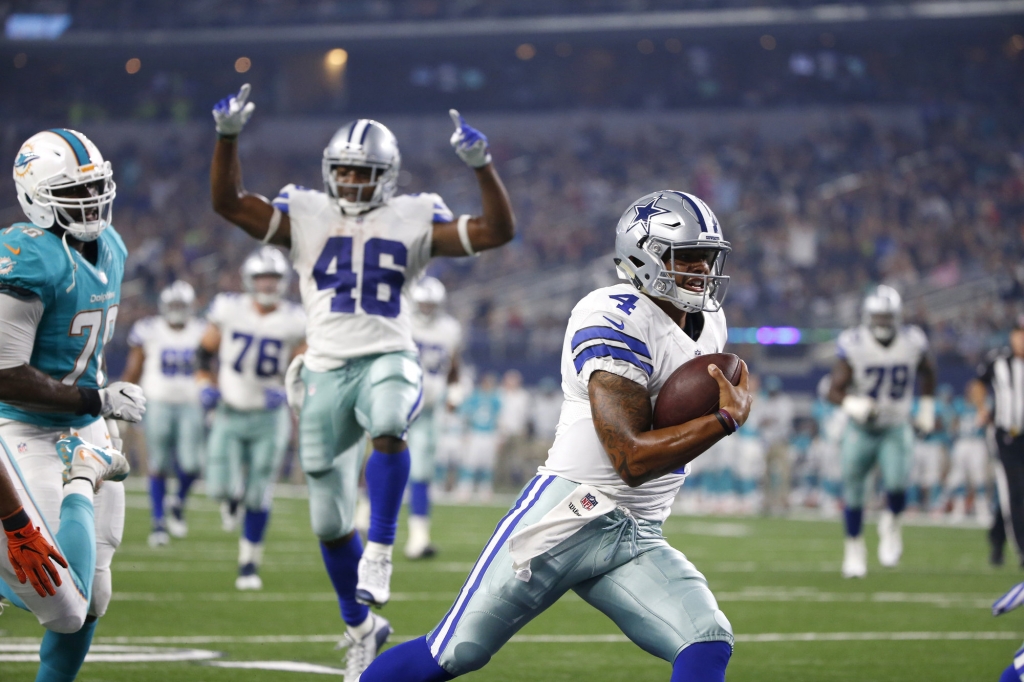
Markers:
669,245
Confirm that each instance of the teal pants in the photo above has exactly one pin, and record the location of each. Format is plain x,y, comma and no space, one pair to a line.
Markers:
422,446
890,447
174,429
378,395
245,451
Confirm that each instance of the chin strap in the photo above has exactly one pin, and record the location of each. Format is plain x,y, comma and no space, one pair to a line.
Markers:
74,265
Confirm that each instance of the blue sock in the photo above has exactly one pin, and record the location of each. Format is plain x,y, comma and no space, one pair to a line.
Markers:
1009,675
702,662
854,520
185,481
419,498
61,656
255,524
157,490
897,500
409,662
386,477
342,563
77,540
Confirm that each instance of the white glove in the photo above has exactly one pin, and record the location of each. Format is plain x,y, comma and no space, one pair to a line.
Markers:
861,408
115,435
293,384
925,420
456,394
122,400
233,112
470,144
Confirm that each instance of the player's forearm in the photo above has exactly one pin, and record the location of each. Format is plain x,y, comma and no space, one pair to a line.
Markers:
652,454
499,221
27,388
9,500
929,376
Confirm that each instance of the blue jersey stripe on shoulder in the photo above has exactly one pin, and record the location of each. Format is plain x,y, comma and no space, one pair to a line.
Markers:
281,206
81,153
591,333
603,351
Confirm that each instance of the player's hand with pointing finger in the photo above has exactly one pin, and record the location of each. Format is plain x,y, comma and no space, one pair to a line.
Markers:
470,144
233,112
735,400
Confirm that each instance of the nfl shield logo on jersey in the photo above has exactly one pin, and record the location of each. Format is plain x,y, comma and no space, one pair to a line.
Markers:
22,448
588,502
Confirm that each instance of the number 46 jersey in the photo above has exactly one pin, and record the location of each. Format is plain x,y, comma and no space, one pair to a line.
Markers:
355,272
254,349
885,373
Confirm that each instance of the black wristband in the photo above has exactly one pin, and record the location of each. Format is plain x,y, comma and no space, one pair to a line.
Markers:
16,521
227,138
91,402
725,424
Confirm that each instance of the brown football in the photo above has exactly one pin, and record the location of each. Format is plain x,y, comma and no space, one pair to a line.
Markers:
690,392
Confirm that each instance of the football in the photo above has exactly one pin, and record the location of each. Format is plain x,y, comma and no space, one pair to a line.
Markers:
691,392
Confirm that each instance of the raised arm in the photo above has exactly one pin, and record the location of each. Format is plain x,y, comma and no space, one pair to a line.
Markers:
209,346
497,225
251,212
622,415
133,367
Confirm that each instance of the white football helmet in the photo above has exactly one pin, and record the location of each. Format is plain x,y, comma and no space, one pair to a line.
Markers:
668,227
266,261
362,144
428,294
883,313
177,302
47,170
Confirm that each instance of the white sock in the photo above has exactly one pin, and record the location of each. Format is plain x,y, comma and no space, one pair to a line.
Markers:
375,550
363,629
79,486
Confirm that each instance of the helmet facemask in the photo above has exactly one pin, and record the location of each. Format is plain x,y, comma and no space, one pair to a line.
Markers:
354,198
267,288
176,313
690,276
883,326
83,208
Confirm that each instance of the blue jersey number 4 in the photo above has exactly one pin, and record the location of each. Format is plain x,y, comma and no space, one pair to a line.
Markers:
333,270
627,302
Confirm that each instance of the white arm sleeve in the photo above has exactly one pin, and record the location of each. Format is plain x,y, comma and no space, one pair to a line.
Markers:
18,330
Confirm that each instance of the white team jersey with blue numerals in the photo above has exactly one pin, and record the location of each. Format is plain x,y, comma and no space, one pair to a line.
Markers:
355,273
616,329
168,373
885,373
438,339
255,349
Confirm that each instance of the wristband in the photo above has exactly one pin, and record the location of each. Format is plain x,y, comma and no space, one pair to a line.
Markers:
227,138
16,521
92,404
727,422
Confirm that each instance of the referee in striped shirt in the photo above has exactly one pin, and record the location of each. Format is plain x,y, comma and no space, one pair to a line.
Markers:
1002,376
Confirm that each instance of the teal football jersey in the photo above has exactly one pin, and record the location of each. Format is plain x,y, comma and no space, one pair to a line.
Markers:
77,321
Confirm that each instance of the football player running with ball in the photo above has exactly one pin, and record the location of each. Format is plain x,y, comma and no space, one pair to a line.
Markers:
358,250
873,380
60,286
590,521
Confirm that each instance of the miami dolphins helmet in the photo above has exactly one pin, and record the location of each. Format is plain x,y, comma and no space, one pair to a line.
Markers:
660,233
63,180
362,144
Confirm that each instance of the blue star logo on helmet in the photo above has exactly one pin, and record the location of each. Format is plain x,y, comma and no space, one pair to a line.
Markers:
644,212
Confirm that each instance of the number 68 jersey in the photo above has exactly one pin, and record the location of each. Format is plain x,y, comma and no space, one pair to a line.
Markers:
884,373
254,349
355,272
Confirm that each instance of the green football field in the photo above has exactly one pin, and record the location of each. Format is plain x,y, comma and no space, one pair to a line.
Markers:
778,581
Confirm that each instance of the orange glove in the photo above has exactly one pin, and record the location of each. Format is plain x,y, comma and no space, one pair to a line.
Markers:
30,554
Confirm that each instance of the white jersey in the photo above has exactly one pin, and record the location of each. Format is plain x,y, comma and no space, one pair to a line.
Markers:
356,272
618,330
885,373
168,372
438,340
255,349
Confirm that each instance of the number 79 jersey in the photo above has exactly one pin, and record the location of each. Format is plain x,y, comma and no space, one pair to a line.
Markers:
355,272
254,349
884,373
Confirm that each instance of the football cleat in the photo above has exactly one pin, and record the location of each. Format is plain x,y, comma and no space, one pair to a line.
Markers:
176,524
248,578
91,462
229,519
855,558
890,539
419,546
362,650
374,586
159,538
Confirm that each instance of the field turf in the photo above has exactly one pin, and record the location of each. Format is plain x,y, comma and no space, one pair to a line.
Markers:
777,580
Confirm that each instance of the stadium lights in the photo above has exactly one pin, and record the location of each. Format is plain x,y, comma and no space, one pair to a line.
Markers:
526,52
646,46
243,64
335,60
768,41
780,336
133,65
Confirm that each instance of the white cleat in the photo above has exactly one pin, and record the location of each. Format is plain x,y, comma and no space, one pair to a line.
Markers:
159,538
362,650
374,586
177,528
249,583
890,539
228,521
91,462
419,546
855,558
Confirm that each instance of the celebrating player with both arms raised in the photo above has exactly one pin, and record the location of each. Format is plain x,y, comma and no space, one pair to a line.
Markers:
358,250
590,521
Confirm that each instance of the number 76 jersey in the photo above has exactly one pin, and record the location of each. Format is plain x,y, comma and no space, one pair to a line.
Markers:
885,373
355,272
